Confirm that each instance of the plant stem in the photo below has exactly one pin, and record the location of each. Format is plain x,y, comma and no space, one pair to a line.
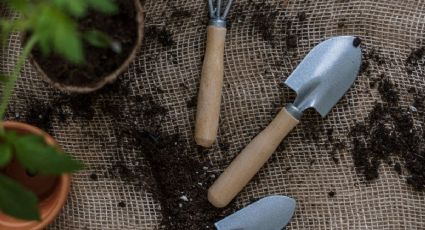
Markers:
11,81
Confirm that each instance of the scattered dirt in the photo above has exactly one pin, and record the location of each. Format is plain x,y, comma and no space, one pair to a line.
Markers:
341,23
312,125
397,168
224,146
179,14
375,55
99,62
268,23
357,41
39,114
337,146
263,19
390,135
181,189
312,162
415,55
64,106
419,102
370,56
364,68
292,41
331,194
302,16
388,91
413,59
94,177
161,164
122,204
192,102
329,133
162,35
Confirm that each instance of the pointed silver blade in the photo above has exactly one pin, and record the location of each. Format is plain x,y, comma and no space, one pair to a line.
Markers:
270,213
326,74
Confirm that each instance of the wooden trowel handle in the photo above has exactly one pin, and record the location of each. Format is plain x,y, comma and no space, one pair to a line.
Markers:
250,160
209,97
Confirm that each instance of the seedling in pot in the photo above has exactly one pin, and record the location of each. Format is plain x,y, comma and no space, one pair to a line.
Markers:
38,158
51,25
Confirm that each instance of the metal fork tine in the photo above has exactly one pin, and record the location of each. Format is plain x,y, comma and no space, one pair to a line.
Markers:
218,9
227,10
211,8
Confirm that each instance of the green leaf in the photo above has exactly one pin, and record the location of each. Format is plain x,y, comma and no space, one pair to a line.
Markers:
5,154
104,6
77,8
3,78
36,156
18,5
97,38
68,43
16,201
55,29
10,136
6,27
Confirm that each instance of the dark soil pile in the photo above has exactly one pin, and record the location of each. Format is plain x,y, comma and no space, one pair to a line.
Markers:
266,22
162,35
41,114
388,92
391,135
181,183
164,165
175,177
264,19
370,56
414,58
99,62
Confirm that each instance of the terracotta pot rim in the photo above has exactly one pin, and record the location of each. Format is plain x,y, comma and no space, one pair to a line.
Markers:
110,78
61,191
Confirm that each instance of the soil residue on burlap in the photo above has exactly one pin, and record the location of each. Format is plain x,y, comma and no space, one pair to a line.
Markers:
162,35
176,179
391,135
176,174
266,21
412,61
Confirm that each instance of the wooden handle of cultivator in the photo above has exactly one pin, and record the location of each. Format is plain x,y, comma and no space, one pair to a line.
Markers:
250,160
209,98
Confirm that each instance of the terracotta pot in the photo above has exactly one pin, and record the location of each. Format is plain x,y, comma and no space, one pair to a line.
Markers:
51,191
112,76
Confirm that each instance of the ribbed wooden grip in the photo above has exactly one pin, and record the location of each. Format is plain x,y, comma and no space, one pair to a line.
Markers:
209,97
250,160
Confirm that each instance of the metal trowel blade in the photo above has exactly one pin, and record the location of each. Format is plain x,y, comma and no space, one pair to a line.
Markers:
270,213
326,73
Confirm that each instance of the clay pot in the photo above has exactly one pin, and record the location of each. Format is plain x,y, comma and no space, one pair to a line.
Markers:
112,76
52,192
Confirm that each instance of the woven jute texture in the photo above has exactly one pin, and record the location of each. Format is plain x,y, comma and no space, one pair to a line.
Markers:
255,67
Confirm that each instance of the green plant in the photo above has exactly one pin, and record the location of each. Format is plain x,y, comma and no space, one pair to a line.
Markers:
52,26
35,156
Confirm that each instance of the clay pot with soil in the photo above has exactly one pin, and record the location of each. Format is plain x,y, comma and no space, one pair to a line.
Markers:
51,191
102,65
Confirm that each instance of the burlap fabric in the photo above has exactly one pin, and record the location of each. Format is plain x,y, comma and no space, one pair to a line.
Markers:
254,70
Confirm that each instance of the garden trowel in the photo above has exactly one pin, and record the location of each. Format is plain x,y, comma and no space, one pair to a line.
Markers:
270,213
320,81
